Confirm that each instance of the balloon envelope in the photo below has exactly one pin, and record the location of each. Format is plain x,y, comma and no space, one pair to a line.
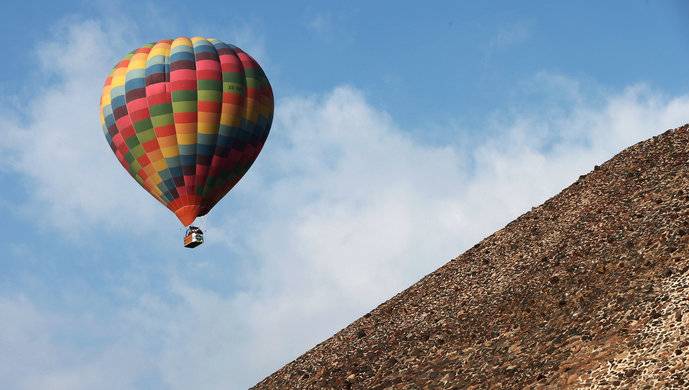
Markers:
187,118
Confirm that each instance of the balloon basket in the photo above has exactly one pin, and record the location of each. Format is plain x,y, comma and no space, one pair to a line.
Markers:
193,237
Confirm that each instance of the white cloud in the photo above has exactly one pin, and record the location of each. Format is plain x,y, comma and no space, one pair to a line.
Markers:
342,210
34,357
73,180
511,34
321,23
330,27
507,36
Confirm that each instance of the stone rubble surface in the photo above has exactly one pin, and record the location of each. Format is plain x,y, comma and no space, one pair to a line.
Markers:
588,290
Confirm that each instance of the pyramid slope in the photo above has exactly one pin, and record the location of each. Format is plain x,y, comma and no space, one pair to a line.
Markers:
590,289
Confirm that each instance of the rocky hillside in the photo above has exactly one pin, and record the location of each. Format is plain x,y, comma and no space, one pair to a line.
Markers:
590,289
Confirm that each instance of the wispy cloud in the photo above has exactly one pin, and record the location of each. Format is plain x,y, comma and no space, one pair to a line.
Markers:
330,27
321,23
511,34
506,37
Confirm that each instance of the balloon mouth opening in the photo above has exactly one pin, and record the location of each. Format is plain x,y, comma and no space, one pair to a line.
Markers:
187,214
188,208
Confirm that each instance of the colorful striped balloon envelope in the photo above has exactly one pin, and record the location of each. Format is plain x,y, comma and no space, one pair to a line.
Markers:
187,118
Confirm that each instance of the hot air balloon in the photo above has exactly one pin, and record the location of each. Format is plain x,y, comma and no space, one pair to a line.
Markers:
187,118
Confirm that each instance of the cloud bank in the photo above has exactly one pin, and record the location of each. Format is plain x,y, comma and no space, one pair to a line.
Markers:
345,208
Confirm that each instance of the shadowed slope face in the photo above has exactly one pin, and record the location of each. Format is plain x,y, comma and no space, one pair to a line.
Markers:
589,289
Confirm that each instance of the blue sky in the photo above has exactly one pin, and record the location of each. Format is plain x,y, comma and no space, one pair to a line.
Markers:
404,133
